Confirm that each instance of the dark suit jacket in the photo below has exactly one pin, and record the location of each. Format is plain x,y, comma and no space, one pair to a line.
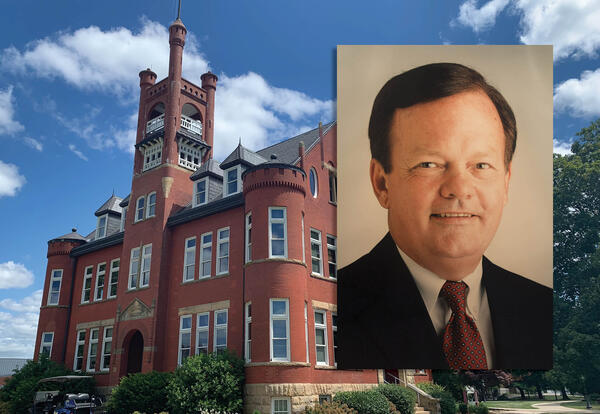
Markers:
383,321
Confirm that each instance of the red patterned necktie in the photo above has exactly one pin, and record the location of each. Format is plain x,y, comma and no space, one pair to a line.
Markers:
463,346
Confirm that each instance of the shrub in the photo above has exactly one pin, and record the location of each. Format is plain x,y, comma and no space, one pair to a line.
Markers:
18,392
447,401
329,408
463,408
481,408
209,382
403,398
140,392
365,402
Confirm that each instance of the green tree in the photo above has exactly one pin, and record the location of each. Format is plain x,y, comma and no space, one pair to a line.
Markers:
210,382
145,392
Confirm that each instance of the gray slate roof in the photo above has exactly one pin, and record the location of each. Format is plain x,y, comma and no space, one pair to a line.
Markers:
211,167
71,236
111,205
287,151
8,365
242,155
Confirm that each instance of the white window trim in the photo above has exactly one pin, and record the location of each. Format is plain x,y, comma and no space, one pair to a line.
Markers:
186,265
216,326
139,209
333,331
52,279
278,220
106,340
87,276
98,235
79,343
334,248
204,259
149,206
219,243
97,285
110,281
310,172
320,243
195,202
248,249
134,272
183,331
91,342
324,328
43,343
289,404
200,329
247,334
238,169
285,317
123,219
145,256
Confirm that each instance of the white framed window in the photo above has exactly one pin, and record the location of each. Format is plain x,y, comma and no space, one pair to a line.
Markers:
139,208
46,343
101,227
92,350
332,187
100,273
115,265
189,259
152,156
306,328
189,157
334,335
79,349
277,232
232,184
321,337
106,348
205,255
145,268
185,338
87,284
223,250
123,218
202,333
55,282
313,181
280,406
315,252
332,255
220,330
248,237
134,268
248,333
151,209
280,328
201,192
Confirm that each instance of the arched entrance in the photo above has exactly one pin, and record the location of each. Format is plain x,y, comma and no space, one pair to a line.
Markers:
135,351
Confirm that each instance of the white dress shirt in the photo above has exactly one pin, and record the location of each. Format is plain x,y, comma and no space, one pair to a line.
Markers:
430,285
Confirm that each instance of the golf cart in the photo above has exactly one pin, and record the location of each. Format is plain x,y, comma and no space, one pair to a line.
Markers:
56,401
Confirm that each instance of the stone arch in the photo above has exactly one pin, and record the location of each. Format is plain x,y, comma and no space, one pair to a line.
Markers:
191,111
157,110
133,353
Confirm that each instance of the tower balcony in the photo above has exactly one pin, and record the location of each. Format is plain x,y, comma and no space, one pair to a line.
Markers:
186,122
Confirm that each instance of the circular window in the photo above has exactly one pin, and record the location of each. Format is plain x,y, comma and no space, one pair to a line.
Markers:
314,185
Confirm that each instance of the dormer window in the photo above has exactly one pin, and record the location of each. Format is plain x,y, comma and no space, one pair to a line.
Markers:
152,156
233,181
101,228
200,192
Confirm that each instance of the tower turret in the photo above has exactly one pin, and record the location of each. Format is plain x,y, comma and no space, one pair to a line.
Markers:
209,84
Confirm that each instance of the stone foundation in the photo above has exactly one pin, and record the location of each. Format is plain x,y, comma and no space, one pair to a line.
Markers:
258,396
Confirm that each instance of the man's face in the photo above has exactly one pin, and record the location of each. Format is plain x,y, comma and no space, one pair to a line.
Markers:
448,182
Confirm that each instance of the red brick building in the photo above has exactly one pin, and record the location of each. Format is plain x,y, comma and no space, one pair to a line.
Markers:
203,256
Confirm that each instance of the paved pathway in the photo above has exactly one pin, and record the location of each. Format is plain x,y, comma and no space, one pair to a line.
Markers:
547,407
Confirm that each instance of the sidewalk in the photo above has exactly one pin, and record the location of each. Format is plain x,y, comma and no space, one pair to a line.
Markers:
546,407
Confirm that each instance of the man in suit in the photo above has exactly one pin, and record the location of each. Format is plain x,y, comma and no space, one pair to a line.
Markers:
442,141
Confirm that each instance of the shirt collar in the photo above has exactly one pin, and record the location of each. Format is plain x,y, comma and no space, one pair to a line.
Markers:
430,285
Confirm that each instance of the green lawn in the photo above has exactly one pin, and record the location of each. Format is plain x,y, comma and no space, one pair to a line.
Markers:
513,404
582,404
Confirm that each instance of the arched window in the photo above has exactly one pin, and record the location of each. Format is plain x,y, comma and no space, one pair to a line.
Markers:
314,184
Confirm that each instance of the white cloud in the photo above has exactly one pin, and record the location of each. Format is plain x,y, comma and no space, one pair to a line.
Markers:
482,18
18,326
248,107
10,179
33,143
75,151
562,148
8,125
570,25
14,275
579,97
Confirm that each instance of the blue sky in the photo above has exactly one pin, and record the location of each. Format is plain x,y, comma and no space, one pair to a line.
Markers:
69,93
